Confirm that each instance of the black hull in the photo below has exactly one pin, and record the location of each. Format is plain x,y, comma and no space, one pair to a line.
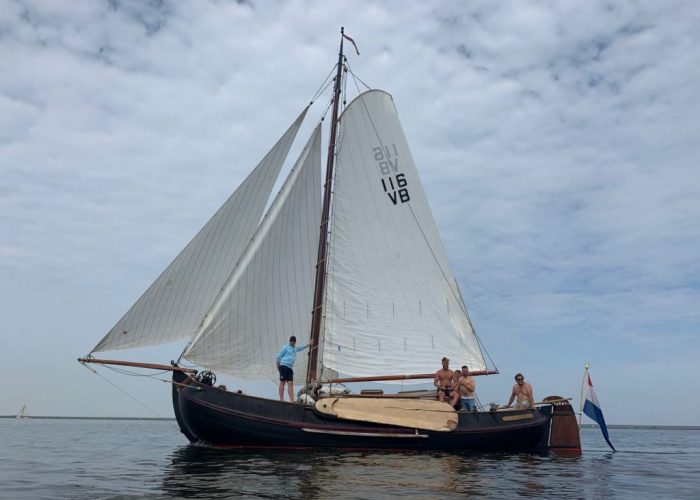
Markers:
212,416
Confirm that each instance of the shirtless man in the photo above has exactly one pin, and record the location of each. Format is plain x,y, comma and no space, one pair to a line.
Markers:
522,392
444,381
454,398
465,388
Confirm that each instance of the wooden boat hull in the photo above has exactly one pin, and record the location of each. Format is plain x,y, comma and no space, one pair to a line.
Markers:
212,416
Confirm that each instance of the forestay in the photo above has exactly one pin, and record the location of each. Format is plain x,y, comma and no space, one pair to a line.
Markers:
173,306
392,303
269,295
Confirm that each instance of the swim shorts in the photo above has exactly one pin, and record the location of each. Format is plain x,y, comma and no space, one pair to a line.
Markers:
286,374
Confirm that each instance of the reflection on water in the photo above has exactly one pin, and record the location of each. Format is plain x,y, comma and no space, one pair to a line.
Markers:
125,459
196,472
214,473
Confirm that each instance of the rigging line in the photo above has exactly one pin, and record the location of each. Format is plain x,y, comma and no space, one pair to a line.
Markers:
324,85
356,85
122,371
120,389
457,295
356,78
325,111
478,339
324,89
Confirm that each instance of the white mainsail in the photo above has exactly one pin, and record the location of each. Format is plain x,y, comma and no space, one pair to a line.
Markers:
269,295
392,303
173,306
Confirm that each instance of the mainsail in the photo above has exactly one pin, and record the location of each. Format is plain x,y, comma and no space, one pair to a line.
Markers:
268,296
173,306
392,303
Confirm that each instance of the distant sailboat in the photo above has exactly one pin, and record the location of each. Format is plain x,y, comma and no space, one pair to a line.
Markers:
22,413
373,287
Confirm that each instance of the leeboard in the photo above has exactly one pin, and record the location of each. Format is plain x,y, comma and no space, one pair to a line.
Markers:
413,413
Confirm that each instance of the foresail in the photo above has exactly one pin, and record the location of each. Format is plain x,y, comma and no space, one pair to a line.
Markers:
269,295
174,305
392,303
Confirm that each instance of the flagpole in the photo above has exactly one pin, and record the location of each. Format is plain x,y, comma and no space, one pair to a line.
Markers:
593,410
580,401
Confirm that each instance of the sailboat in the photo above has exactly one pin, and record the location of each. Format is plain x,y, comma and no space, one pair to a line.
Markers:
357,267
22,413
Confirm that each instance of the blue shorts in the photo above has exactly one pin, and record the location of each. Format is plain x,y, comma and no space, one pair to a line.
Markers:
286,374
468,404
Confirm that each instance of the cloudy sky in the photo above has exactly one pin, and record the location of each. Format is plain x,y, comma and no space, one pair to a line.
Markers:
558,143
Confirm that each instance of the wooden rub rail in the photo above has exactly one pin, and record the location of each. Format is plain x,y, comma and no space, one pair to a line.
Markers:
136,364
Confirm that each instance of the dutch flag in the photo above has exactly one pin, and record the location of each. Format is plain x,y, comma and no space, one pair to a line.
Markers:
592,410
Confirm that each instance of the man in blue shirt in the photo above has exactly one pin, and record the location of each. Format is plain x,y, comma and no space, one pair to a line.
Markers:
285,363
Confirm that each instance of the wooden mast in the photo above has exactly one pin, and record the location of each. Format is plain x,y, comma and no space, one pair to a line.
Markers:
317,313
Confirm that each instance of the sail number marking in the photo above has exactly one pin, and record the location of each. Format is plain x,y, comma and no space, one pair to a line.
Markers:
394,184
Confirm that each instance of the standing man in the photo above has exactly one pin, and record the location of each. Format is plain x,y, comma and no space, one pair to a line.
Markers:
522,393
444,381
285,363
466,387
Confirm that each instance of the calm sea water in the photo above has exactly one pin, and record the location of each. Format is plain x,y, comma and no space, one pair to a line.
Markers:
88,459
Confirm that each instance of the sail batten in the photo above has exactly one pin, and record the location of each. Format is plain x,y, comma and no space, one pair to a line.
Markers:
391,300
268,295
173,306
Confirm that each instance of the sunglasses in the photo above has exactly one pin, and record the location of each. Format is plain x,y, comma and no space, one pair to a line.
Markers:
519,379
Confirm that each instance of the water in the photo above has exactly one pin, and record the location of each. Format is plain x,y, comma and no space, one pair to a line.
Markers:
89,459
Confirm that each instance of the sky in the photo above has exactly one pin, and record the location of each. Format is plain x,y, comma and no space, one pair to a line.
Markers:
558,144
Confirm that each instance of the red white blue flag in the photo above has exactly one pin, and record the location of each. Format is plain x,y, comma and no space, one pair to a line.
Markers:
592,410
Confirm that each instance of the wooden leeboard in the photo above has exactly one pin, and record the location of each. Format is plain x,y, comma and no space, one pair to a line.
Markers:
413,413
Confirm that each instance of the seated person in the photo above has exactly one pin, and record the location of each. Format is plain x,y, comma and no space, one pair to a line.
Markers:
444,381
522,393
